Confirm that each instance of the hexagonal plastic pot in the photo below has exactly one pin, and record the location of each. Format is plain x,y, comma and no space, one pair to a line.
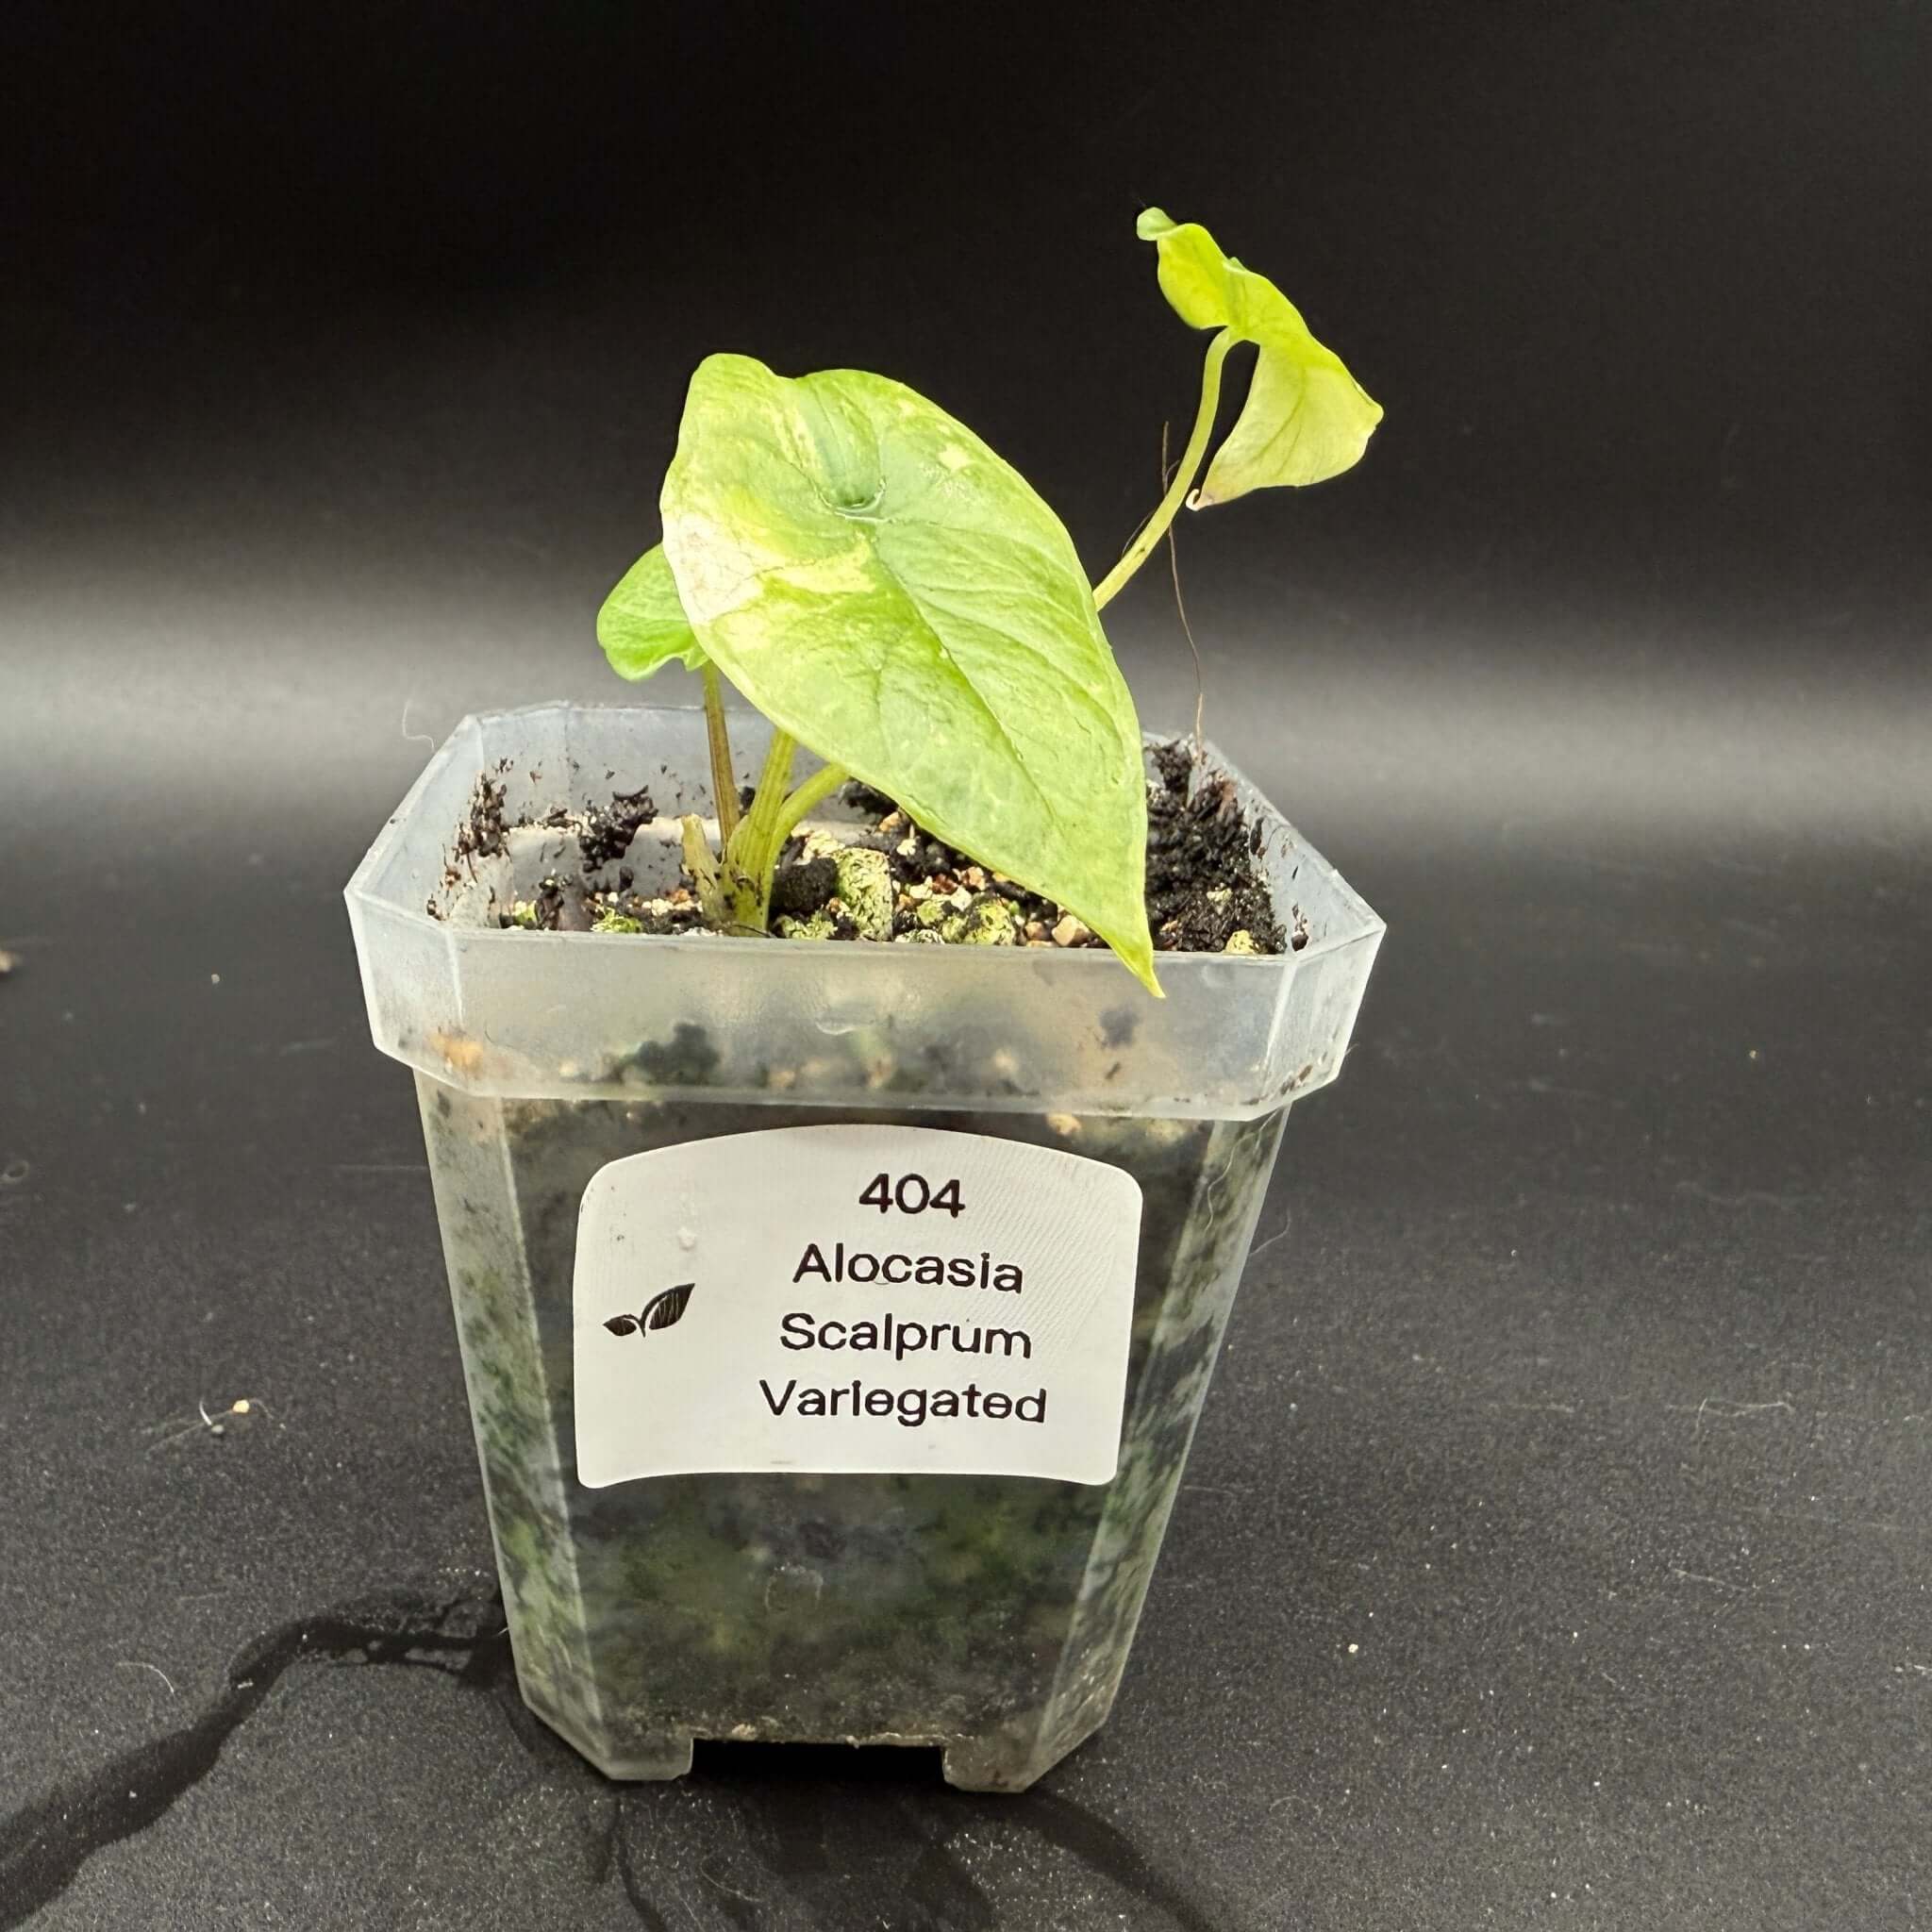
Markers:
988,1615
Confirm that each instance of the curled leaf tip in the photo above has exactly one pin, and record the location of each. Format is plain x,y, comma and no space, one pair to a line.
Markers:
1306,418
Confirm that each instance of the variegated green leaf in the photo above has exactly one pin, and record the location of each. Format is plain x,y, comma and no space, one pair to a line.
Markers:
884,587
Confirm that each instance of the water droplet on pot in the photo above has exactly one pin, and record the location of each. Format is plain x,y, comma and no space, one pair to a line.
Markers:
687,1239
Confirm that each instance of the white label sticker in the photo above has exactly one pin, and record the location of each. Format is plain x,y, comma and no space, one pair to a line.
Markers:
853,1298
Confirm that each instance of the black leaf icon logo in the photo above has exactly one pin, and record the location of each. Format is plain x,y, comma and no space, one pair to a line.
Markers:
661,1312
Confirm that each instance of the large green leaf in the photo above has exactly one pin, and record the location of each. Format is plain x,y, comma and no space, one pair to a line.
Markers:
642,625
1306,418
879,583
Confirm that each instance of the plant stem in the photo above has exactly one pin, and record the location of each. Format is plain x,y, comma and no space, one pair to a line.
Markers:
724,784
700,860
775,781
820,786
745,883
737,896
1154,527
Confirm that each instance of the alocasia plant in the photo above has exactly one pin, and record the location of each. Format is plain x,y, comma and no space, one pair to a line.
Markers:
897,599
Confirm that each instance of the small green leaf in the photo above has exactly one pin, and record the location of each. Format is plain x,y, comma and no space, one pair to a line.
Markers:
884,588
1306,418
642,625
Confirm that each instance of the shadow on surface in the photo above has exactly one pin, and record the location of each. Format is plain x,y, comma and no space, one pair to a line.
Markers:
829,1831
777,1835
45,1842
750,1768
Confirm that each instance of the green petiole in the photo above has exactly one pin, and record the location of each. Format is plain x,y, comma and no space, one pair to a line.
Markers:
736,890
724,784
1155,528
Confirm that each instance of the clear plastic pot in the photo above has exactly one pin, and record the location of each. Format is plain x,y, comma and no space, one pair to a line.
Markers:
988,1615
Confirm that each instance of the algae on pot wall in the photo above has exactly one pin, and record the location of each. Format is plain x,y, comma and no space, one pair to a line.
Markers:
988,1614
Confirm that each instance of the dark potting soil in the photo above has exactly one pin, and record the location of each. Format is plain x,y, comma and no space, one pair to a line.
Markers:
1206,887
1205,881
605,832
481,833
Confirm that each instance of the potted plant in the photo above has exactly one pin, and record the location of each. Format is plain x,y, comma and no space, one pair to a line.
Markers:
844,1177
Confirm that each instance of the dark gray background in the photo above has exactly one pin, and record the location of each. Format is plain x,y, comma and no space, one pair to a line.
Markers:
1585,1386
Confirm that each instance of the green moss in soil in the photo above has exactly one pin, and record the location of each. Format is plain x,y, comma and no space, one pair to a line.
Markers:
882,878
